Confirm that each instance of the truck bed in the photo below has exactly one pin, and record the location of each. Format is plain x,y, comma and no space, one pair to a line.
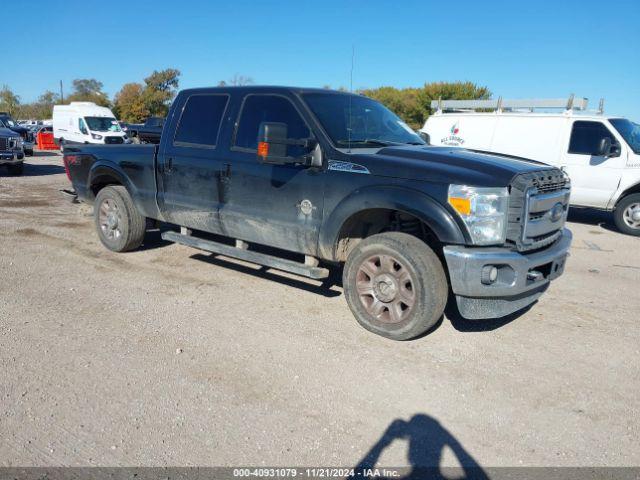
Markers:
132,165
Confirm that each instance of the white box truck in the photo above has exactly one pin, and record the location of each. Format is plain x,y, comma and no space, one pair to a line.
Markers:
601,154
85,122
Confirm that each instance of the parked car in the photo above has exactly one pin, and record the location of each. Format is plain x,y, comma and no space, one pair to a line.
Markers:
11,152
600,153
6,121
147,132
337,180
85,122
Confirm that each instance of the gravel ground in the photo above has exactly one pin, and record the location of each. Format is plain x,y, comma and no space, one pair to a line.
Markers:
168,356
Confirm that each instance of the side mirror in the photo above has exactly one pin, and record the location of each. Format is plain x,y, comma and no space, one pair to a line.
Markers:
273,143
425,137
607,149
604,147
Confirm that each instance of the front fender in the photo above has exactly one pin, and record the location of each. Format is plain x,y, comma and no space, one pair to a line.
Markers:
410,201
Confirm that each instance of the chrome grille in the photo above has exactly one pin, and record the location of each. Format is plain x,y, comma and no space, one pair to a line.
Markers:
538,206
4,143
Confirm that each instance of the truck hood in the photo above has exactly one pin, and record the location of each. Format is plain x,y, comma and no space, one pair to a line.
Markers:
447,165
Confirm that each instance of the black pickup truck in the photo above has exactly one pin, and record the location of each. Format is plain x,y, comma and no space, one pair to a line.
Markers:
148,132
337,181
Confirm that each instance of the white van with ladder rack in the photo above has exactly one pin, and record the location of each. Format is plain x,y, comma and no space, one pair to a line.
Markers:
600,153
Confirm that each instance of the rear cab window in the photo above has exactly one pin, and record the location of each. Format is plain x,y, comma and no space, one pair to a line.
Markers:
200,121
258,108
586,137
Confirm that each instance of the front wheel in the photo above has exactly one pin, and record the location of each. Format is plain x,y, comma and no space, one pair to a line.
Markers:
627,214
395,285
119,224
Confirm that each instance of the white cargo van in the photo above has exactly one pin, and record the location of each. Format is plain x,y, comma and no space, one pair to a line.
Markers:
85,122
601,154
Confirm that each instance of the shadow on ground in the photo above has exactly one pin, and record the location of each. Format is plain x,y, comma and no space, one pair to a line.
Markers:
592,216
37,170
325,288
426,439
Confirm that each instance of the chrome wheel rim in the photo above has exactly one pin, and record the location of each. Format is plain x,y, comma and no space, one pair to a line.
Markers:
110,220
631,215
386,288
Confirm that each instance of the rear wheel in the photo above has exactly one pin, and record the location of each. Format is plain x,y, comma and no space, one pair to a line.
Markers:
119,224
627,214
395,285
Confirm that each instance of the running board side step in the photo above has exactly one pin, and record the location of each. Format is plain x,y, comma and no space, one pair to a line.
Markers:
242,253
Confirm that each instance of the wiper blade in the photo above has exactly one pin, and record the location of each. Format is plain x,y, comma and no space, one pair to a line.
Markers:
371,141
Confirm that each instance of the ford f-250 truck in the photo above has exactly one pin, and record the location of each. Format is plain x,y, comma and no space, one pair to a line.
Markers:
342,182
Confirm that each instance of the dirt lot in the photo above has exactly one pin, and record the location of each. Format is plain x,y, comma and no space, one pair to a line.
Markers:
167,356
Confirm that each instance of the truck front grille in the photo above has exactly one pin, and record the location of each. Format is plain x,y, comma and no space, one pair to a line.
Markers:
113,140
4,143
538,206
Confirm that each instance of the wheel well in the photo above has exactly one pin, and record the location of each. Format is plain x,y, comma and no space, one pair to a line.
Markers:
378,220
632,189
102,181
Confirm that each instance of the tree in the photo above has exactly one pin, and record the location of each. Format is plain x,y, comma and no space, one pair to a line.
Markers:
236,81
9,101
413,105
159,90
129,104
88,90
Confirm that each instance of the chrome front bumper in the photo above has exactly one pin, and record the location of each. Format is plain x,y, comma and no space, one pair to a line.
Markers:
521,277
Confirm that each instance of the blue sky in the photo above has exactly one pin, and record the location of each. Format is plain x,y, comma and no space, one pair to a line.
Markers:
518,49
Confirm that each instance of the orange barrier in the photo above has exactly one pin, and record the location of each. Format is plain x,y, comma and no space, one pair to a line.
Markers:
45,141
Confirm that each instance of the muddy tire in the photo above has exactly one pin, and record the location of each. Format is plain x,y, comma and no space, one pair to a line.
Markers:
395,285
16,169
119,225
627,214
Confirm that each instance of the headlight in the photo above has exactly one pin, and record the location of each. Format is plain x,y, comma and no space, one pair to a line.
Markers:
95,136
483,210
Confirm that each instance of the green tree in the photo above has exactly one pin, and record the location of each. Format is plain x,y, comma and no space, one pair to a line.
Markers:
129,103
88,90
159,90
9,101
413,105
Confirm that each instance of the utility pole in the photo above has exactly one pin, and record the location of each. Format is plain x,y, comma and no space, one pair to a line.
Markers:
61,94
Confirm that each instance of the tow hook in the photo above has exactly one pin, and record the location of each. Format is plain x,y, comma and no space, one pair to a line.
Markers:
534,275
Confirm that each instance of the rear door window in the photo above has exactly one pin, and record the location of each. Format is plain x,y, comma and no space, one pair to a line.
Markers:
586,137
269,108
200,121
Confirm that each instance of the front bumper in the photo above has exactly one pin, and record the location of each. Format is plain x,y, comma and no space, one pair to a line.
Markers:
11,157
521,278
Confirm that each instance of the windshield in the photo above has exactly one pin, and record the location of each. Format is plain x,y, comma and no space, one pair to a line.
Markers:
629,131
359,122
103,124
8,122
